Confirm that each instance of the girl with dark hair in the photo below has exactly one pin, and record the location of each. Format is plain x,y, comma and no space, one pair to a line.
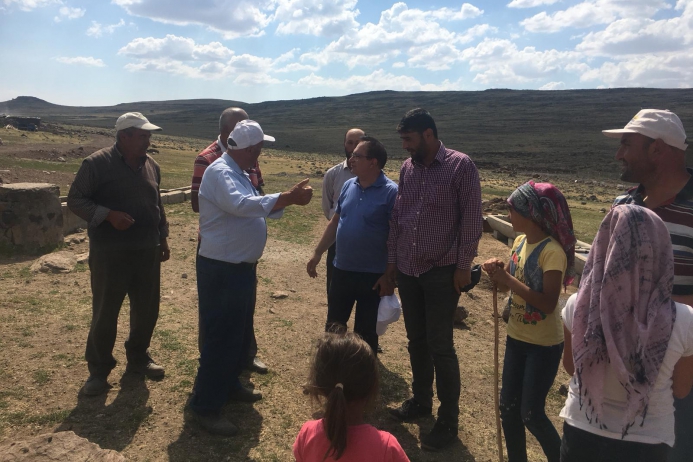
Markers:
344,375
628,346
542,260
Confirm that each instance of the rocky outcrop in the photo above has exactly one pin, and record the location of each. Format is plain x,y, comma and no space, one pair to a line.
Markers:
31,219
57,447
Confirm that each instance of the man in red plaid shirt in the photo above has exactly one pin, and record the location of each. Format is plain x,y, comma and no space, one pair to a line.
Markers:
435,229
228,120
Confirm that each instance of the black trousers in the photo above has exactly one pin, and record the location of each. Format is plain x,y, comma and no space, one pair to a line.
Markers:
329,263
428,305
347,288
250,332
114,274
581,446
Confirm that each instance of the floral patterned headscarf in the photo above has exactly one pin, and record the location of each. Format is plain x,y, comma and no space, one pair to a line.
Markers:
545,205
624,314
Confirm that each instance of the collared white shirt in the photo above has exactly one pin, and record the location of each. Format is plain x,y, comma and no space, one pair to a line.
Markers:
232,214
332,185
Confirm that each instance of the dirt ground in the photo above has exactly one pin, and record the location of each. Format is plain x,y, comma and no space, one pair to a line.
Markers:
45,319
42,366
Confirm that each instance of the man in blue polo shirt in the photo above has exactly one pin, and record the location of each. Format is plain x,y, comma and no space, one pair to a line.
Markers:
360,227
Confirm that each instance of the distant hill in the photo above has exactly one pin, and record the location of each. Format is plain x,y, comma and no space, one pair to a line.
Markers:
543,130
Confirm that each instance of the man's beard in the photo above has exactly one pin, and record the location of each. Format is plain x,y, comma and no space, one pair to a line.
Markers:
419,153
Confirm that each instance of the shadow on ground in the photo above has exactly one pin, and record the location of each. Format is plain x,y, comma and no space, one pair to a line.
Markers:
111,426
194,444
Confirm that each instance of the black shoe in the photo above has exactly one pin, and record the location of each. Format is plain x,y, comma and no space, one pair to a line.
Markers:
257,366
151,370
95,386
245,395
410,409
215,424
441,436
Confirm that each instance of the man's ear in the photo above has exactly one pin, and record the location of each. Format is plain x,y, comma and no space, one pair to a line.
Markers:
428,134
659,148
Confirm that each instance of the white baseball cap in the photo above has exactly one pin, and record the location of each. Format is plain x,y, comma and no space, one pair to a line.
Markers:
246,133
136,120
656,124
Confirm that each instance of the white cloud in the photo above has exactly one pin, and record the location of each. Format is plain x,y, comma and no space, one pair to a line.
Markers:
530,3
398,65
592,12
81,60
377,80
501,62
326,18
466,11
212,61
66,12
175,48
400,30
553,86
28,5
97,29
673,70
639,36
231,18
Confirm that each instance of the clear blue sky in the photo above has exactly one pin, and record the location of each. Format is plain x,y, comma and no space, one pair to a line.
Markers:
79,52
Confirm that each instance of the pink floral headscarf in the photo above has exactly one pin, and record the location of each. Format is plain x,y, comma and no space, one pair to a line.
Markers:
624,314
544,204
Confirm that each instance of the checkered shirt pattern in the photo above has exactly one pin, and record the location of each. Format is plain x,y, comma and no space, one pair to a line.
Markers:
436,220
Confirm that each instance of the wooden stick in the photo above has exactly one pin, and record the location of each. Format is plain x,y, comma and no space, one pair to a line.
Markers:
495,372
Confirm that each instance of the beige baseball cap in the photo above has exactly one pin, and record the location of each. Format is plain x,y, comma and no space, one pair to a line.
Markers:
136,120
656,124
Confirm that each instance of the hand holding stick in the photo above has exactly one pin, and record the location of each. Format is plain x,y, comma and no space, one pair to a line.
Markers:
495,372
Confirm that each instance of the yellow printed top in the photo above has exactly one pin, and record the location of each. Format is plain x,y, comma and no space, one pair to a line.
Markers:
537,328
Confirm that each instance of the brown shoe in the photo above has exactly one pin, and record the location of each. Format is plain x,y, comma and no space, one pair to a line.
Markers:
245,395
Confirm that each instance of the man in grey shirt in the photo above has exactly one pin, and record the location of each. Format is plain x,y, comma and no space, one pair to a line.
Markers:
116,191
332,184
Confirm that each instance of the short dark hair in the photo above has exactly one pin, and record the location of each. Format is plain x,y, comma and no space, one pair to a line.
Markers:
417,120
375,150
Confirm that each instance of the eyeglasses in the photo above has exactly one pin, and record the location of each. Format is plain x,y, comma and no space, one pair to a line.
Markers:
357,156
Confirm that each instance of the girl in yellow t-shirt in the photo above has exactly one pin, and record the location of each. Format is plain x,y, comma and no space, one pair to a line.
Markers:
542,260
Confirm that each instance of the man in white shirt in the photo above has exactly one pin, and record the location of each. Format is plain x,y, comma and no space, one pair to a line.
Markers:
233,236
332,184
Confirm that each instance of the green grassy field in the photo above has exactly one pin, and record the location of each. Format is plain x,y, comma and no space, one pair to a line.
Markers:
548,131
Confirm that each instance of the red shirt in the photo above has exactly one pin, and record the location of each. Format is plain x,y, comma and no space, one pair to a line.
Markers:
364,443
209,155
437,218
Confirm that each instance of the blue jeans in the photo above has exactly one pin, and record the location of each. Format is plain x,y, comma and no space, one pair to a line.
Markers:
347,288
428,305
579,445
683,426
528,373
226,297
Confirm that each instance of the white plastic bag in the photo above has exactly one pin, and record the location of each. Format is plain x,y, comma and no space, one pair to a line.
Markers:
388,312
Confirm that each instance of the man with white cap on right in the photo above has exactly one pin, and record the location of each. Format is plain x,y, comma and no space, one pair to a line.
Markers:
233,234
652,153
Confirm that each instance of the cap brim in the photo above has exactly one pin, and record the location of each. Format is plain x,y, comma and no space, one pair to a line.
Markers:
150,127
618,132
268,138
